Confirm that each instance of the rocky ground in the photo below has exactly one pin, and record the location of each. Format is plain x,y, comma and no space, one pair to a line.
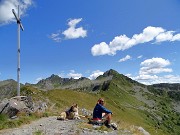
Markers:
51,126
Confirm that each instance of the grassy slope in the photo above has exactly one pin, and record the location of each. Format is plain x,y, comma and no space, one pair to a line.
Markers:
128,113
119,94
117,100
126,107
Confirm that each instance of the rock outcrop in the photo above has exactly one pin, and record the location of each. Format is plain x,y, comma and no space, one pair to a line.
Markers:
16,104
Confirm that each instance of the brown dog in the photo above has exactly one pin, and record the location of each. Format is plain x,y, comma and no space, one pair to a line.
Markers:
71,113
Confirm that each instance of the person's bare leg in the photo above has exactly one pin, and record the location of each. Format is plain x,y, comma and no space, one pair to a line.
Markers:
107,117
103,115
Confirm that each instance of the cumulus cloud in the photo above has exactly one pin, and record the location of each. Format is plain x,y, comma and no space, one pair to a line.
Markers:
154,66
154,79
150,70
145,77
146,70
125,58
122,42
6,6
176,37
74,75
72,32
95,74
165,36
101,48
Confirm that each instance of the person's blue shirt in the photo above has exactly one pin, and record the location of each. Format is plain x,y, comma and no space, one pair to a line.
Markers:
98,110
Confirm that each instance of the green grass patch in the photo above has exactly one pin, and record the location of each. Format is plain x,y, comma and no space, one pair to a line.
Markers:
39,132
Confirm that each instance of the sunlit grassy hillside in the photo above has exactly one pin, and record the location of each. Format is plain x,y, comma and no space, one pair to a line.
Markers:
126,108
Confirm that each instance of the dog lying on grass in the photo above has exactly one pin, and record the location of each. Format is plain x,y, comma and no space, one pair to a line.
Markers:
70,114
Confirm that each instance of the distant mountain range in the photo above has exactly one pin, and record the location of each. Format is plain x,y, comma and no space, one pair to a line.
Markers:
8,87
84,84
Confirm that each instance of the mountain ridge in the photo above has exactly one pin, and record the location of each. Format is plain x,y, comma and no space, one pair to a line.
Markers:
85,84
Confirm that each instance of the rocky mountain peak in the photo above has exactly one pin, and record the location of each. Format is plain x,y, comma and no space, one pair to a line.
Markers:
84,78
110,72
54,77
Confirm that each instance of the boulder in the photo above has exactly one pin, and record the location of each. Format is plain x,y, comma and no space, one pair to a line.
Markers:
16,104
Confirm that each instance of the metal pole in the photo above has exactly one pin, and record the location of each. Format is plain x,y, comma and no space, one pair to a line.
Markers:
18,55
19,24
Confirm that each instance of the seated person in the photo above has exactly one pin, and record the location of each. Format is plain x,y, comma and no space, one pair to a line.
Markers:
101,114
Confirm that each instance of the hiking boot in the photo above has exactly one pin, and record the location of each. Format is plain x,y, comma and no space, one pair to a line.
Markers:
114,126
108,125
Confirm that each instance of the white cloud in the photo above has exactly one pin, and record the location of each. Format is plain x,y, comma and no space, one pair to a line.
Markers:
155,62
6,6
56,37
95,74
145,70
148,35
100,49
176,37
74,75
125,58
166,36
140,56
154,66
74,22
154,79
72,32
128,75
148,73
145,77
122,42
118,43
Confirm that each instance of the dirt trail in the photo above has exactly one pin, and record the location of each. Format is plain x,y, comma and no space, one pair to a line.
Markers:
51,126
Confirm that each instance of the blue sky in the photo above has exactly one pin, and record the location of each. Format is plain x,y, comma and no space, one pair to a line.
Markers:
75,38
